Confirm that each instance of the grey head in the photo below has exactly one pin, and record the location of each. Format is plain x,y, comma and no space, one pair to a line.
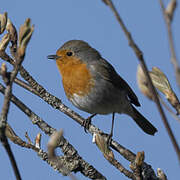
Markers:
82,50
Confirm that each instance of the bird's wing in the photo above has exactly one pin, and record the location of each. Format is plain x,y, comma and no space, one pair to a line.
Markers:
106,71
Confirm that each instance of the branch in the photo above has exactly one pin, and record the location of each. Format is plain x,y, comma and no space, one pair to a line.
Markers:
5,109
169,109
8,80
69,151
60,163
168,17
161,174
101,143
136,165
140,57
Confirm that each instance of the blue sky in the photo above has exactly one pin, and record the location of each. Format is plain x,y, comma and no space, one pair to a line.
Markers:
55,23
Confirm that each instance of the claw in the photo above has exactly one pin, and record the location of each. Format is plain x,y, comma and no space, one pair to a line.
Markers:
109,139
87,122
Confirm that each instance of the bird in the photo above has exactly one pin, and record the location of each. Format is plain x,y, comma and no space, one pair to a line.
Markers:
92,84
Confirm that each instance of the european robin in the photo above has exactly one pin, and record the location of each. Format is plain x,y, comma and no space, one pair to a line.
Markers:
93,85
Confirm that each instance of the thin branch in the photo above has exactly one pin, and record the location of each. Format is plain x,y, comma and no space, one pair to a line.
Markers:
169,109
168,20
140,57
121,168
17,140
136,166
12,159
101,143
25,32
52,145
25,86
161,175
4,114
60,163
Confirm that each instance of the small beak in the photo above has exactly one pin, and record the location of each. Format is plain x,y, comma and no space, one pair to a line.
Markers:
55,57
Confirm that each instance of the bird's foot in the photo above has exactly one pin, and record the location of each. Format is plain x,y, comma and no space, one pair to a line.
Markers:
87,122
109,139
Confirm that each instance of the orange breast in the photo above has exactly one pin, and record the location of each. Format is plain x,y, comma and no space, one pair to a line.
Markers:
76,77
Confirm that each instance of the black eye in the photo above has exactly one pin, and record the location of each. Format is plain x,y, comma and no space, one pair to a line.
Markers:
69,53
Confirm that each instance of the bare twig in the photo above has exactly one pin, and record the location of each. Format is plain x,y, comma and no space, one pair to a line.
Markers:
136,165
52,145
121,168
4,113
168,20
169,109
8,91
25,86
101,143
140,57
17,140
161,175
55,164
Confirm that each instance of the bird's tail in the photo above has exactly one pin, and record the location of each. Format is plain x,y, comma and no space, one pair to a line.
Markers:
143,123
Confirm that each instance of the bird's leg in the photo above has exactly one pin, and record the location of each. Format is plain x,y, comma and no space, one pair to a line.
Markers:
87,122
112,127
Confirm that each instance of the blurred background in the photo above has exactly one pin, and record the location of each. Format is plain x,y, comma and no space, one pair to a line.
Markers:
59,21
